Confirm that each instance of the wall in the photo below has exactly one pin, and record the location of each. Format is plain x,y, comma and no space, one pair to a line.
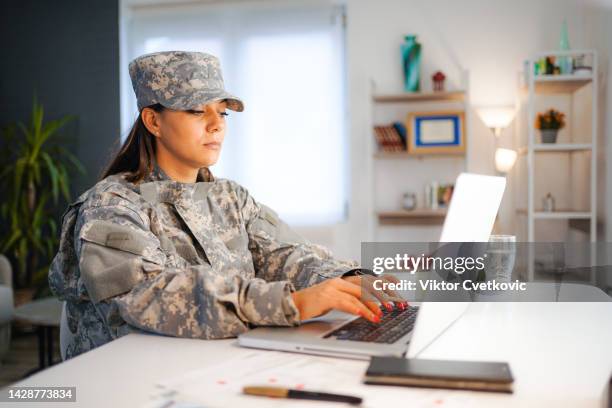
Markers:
489,38
67,52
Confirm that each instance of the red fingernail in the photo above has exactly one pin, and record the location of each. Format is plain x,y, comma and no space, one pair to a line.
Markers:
401,306
388,306
376,319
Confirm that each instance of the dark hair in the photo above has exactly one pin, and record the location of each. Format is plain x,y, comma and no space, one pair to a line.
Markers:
137,154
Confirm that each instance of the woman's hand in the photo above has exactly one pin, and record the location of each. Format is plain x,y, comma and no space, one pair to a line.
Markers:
344,294
387,297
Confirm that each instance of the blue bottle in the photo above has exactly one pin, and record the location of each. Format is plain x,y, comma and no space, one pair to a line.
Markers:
411,58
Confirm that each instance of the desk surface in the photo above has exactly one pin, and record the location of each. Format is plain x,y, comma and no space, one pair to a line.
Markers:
560,355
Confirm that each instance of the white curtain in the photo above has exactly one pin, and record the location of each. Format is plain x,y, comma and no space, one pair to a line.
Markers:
286,61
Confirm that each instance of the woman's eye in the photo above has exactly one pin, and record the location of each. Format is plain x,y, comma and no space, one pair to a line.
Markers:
223,113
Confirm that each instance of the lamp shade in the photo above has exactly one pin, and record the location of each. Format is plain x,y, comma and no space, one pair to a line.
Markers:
496,117
504,159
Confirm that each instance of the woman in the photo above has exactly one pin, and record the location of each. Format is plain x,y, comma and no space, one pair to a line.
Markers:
160,245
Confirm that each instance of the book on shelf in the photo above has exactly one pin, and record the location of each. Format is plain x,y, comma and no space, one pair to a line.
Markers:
389,139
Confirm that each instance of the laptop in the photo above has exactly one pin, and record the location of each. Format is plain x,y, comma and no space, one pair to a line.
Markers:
470,218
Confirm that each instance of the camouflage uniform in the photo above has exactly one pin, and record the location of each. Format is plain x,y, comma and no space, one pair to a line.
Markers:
201,260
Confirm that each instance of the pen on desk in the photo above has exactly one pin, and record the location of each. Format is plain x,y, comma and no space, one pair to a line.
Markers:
280,392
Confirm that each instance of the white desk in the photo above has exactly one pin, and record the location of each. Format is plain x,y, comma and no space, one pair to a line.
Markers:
560,354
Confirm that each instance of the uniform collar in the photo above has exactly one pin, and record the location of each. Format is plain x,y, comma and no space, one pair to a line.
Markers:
157,186
157,174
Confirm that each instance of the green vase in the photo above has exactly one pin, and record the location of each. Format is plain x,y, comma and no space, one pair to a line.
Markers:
411,58
564,62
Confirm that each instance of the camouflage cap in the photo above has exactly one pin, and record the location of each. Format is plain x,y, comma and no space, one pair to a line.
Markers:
179,80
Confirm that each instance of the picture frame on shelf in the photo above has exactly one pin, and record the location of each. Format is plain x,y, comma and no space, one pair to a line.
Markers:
440,132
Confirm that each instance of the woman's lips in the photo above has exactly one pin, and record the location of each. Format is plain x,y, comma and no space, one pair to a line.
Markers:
213,145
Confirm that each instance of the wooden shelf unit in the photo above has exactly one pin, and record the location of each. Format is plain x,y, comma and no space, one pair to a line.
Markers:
420,97
418,216
406,155
397,172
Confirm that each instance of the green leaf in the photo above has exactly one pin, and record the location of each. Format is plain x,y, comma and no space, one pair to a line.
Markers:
64,183
49,130
22,254
15,235
17,180
54,175
73,160
39,211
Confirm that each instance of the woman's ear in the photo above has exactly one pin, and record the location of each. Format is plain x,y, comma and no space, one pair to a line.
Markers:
150,118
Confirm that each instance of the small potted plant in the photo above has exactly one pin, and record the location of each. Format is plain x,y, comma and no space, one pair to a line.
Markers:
549,124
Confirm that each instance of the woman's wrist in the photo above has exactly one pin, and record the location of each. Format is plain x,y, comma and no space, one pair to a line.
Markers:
295,298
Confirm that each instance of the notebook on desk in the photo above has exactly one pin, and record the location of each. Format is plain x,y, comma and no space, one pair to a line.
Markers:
464,375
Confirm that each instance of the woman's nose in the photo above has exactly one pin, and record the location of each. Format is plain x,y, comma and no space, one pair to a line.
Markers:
216,124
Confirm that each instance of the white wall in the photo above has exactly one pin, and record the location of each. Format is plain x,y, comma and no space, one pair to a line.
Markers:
489,38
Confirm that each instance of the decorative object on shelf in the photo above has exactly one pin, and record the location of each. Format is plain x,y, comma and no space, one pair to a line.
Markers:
539,67
496,118
553,65
550,66
580,68
400,129
504,160
411,59
548,203
436,132
564,61
409,201
431,195
549,123
388,139
438,81
445,192
438,195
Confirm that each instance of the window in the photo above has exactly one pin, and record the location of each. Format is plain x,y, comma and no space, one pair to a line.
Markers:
286,62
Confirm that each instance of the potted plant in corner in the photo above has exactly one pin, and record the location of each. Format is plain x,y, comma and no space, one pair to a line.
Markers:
549,123
35,174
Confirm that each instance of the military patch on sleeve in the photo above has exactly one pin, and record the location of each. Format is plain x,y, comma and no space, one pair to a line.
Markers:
116,236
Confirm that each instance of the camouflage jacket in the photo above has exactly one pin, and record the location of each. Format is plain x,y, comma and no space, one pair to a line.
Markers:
200,260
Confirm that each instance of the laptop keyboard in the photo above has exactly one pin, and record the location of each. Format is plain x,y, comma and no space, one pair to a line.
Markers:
393,325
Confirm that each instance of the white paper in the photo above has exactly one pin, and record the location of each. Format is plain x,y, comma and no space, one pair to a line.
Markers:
221,385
